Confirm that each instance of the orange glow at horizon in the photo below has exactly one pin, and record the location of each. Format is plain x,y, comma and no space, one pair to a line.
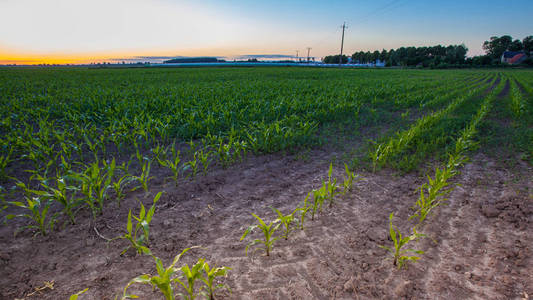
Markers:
12,57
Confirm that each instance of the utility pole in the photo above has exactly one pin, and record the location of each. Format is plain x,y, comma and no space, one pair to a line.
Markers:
308,50
297,55
342,42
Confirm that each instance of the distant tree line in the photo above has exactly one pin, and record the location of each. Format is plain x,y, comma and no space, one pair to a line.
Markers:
413,56
442,56
192,60
334,59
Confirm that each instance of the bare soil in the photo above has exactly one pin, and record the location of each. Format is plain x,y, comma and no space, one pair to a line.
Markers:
479,245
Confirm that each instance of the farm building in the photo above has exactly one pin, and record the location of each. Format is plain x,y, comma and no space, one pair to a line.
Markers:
513,58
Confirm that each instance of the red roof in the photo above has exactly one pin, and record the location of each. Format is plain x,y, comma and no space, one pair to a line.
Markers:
516,58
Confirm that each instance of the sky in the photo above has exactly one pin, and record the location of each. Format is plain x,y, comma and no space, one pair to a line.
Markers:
84,31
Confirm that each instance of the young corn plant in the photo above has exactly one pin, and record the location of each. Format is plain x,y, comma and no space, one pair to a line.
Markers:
3,202
318,200
209,276
36,210
62,193
160,153
192,147
399,253
203,157
349,178
304,208
139,236
144,178
65,165
287,221
138,154
432,193
163,281
192,165
192,275
224,153
119,185
172,164
95,183
331,187
239,150
75,296
93,146
268,235
4,161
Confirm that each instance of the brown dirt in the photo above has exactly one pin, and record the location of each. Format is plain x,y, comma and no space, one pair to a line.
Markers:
481,250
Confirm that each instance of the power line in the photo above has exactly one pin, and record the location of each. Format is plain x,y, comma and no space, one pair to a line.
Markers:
391,5
308,51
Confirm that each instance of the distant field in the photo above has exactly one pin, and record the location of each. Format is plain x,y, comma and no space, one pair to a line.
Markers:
79,146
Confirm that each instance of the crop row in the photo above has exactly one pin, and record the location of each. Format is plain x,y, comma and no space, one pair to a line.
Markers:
396,146
433,193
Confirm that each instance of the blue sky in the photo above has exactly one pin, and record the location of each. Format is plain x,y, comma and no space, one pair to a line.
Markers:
100,29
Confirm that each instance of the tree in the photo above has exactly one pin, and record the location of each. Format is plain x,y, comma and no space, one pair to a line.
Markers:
527,44
375,56
383,55
497,45
516,45
334,59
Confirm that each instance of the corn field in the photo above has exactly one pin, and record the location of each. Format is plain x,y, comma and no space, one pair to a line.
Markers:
84,148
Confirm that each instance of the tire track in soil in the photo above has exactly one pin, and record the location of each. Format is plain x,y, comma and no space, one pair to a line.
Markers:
468,256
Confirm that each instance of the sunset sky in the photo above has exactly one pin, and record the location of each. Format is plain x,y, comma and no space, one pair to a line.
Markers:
81,31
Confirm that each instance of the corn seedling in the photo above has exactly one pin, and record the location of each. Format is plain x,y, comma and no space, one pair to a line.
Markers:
268,233
37,208
164,279
203,157
192,275
95,183
224,153
139,236
303,210
399,257
209,276
239,150
60,193
64,165
349,177
192,165
432,193
331,187
4,161
3,203
192,147
138,155
287,221
160,153
118,187
144,178
93,147
318,199
172,164
75,296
